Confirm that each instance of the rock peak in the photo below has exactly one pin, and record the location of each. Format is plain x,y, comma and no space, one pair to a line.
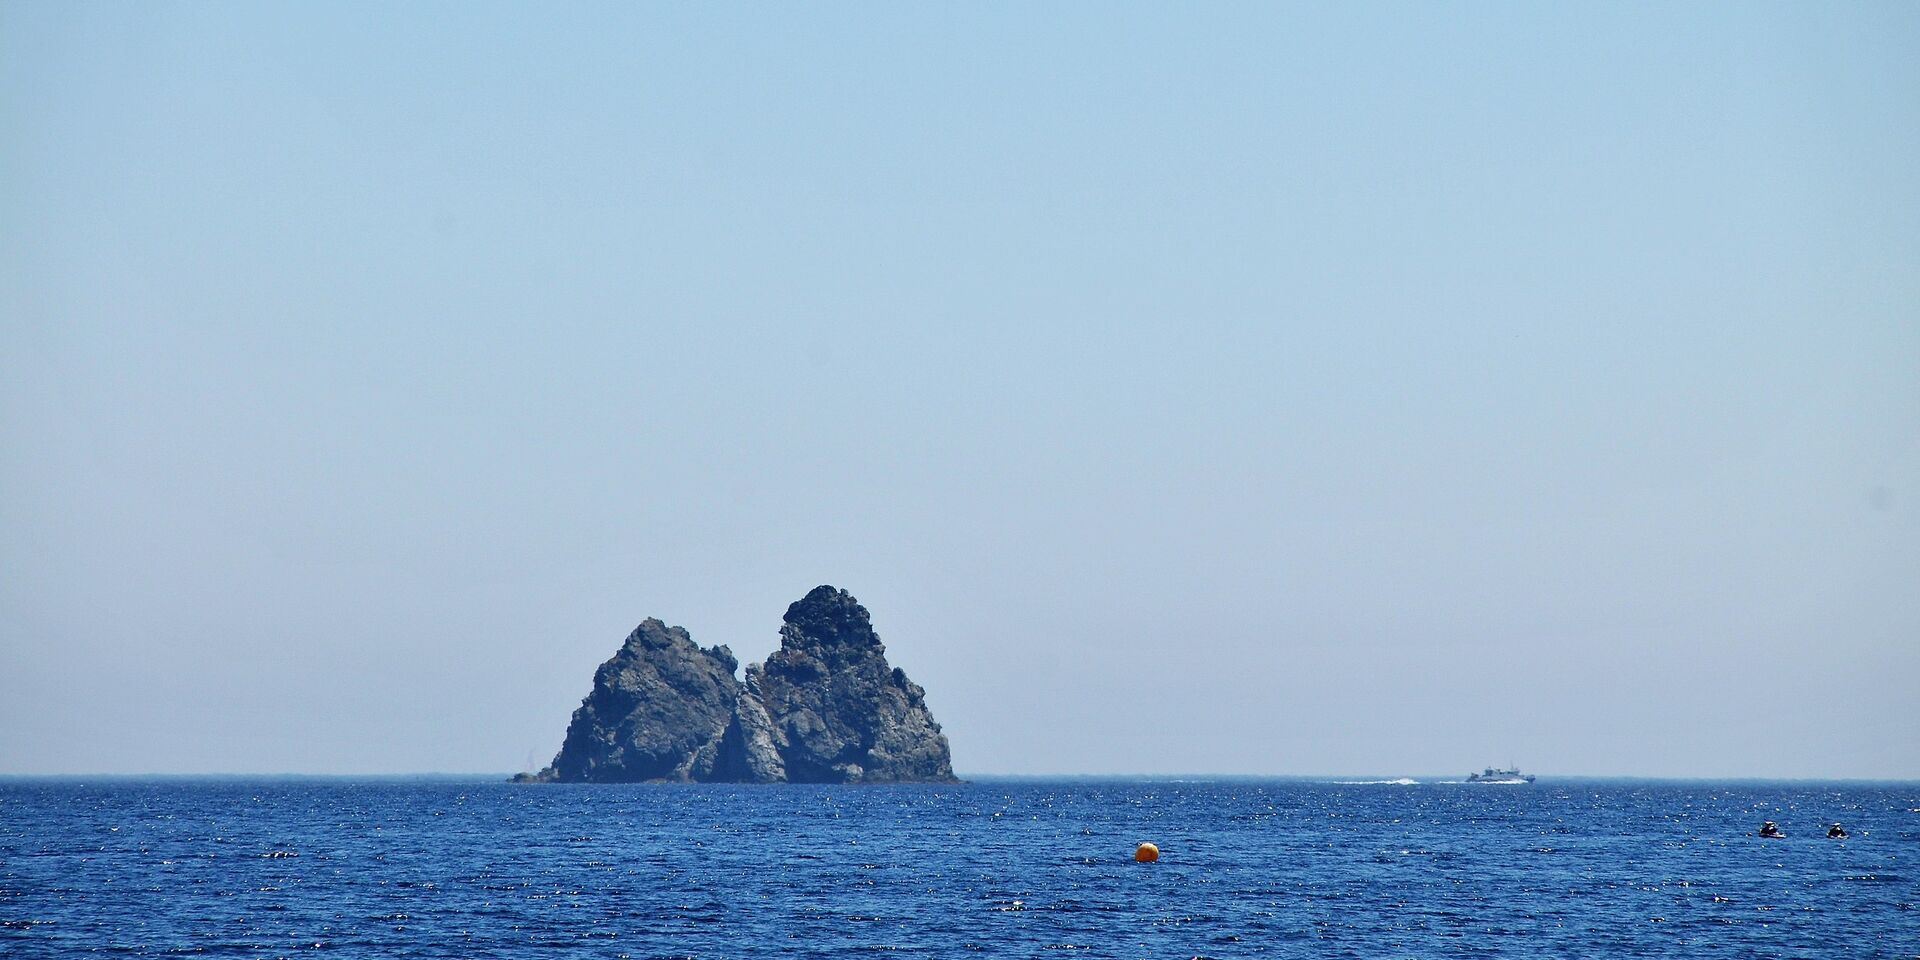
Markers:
828,615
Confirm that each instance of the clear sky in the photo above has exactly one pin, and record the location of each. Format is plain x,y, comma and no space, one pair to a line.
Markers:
1389,389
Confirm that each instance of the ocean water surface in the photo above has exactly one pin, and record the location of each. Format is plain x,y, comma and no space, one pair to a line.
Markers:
476,868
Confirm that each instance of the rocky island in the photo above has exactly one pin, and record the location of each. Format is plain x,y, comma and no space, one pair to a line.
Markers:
824,708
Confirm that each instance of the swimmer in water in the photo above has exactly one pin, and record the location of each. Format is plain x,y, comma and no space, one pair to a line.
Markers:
1770,829
1836,832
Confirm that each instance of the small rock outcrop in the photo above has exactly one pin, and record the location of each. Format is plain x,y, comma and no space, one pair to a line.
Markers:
824,708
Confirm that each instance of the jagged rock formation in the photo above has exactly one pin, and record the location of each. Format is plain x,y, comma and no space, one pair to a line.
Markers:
825,708
658,711
841,714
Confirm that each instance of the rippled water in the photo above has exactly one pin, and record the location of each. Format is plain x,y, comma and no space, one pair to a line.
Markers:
1008,869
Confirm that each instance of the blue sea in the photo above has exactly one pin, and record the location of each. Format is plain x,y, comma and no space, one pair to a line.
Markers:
472,868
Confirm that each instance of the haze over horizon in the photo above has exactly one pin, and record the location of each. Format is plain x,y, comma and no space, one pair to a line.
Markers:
1248,389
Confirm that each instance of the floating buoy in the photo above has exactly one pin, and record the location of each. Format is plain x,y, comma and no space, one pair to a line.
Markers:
1146,853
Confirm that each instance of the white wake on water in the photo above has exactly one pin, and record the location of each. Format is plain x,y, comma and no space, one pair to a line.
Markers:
1403,781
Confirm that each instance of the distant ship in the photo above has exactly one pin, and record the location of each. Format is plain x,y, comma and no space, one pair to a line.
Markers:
1491,775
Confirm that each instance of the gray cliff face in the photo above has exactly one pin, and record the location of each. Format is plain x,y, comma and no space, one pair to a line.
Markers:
841,714
825,708
748,753
658,711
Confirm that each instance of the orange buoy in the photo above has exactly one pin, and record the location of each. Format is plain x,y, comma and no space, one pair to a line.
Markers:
1146,853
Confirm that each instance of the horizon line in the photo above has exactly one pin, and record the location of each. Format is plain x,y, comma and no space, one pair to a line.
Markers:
1347,779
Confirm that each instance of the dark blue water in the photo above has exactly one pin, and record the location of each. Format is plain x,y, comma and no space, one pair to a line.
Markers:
999,869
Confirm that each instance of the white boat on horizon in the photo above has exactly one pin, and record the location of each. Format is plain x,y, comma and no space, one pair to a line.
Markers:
1497,775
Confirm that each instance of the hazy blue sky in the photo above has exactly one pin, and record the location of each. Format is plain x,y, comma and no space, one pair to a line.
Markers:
1238,389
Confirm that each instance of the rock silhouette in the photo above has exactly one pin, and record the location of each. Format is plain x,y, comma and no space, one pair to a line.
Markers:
825,708
658,711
